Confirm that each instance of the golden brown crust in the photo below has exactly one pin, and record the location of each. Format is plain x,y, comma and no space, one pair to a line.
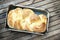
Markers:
40,28
13,16
26,19
34,18
27,12
17,25
43,18
29,28
10,21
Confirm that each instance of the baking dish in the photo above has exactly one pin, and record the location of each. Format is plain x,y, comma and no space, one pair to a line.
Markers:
37,11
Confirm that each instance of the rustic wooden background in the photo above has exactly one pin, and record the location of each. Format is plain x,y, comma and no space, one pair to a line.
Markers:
53,6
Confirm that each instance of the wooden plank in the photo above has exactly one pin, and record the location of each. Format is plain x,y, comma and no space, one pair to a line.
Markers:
54,13
54,23
55,37
26,37
13,36
5,1
42,3
3,15
48,34
35,1
30,2
54,18
5,34
6,9
8,3
54,8
2,20
27,2
49,5
3,10
54,28
3,29
52,33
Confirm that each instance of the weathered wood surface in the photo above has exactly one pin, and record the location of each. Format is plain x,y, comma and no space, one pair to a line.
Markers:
53,6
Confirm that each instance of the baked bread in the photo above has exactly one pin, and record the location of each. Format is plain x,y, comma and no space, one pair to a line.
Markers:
26,19
15,18
43,18
32,19
27,12
40,28
10,19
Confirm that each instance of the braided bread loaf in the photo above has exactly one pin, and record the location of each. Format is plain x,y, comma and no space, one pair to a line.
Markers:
26,19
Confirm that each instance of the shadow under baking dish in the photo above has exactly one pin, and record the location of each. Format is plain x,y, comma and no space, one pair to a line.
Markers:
37,11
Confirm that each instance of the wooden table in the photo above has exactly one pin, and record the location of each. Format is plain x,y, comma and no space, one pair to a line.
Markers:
53,6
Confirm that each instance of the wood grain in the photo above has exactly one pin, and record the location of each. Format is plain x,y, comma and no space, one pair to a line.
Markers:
53,7
42,3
